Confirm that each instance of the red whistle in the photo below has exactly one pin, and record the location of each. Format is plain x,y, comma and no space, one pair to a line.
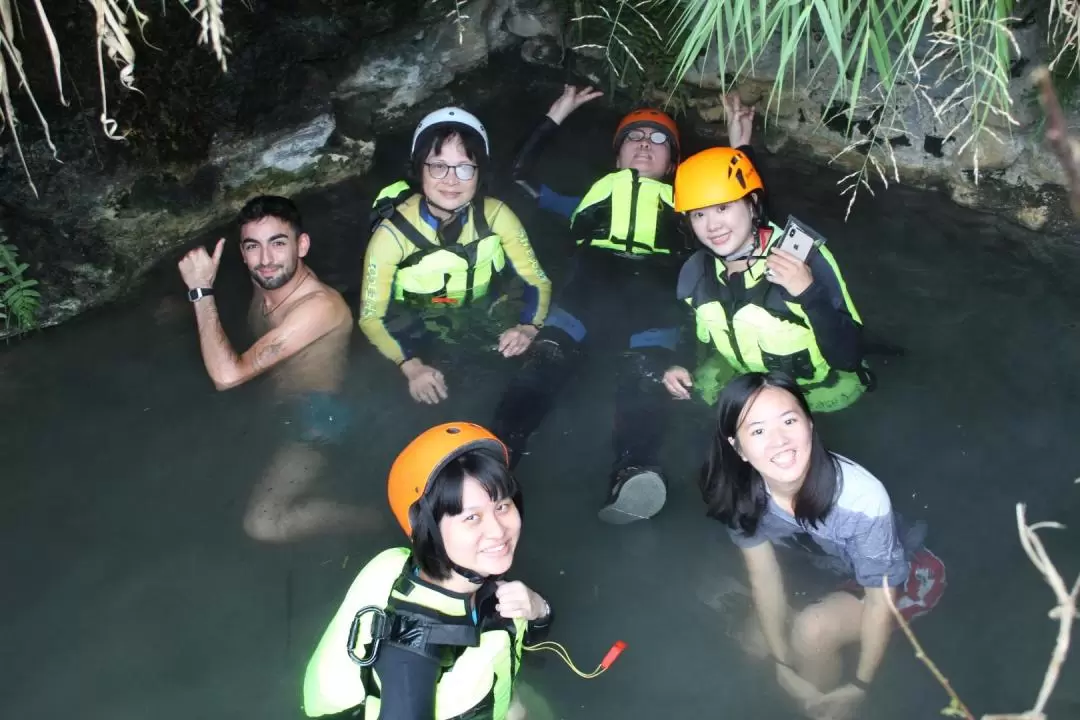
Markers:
613,654
444,300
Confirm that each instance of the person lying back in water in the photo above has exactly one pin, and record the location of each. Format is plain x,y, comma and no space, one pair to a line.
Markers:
617,302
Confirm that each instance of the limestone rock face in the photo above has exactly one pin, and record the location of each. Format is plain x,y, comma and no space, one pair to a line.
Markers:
301,103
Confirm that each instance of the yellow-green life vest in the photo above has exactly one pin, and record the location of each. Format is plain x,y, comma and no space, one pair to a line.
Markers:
478,683
452,273
765,331
636,205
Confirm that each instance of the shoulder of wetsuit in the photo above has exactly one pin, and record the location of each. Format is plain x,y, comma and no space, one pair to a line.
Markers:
691,273
421,629
388,200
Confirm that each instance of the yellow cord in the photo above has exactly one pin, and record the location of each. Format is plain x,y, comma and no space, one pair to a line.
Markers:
565,657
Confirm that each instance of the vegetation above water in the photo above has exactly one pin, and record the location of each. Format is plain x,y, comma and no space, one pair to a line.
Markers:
18,297
957,59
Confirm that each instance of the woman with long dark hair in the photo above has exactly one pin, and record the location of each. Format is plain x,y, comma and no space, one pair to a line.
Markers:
773,483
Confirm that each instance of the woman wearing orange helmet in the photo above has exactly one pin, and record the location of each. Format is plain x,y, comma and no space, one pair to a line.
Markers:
617,300
432,631
758,297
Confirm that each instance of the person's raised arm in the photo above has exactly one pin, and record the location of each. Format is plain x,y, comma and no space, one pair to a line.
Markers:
313,318
818,288
524,164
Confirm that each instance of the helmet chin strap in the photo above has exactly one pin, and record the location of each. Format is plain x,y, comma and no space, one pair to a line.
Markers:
741,254
453,213
474,577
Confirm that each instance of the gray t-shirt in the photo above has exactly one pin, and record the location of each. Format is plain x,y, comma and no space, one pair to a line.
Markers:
857,539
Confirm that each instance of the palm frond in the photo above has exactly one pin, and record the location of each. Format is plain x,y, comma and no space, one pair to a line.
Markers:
873,47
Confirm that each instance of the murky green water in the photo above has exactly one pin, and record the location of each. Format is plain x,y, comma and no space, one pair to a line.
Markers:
130,591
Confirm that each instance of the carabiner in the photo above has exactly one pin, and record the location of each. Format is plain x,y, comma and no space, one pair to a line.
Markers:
354,632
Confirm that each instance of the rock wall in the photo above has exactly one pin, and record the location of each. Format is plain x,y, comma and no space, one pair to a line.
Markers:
296,111
1018,176
312,83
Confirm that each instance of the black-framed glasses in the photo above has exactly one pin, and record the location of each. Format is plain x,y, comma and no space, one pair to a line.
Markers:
654,136
439,170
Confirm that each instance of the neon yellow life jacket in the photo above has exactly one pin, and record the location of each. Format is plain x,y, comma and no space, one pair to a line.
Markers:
636,206
438,272
478,681
765,332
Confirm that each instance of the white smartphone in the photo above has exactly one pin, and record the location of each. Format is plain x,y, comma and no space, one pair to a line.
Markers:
799,239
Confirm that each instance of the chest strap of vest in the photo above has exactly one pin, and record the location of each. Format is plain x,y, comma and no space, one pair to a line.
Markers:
414,628
466,252
629,242
763,294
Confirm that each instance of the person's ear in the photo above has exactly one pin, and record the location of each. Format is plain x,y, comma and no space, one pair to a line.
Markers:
735,444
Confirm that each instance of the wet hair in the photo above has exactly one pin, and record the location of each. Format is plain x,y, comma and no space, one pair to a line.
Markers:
431,142
734,490
274,206
444,497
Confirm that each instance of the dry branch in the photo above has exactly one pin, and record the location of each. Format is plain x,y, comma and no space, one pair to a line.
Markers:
1065,613
1064,146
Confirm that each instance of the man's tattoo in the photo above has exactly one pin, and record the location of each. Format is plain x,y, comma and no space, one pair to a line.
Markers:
268,355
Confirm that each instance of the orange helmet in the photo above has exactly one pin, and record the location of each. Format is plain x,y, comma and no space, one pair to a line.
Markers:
714,176
647,118
429,453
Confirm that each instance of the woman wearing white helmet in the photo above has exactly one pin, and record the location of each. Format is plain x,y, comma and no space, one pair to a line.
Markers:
439,246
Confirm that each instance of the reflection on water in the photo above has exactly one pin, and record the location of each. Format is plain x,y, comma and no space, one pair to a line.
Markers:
131,591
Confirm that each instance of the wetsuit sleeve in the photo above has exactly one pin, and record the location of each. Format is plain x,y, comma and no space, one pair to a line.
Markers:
384,254
519,252
839,335
524,169
408,683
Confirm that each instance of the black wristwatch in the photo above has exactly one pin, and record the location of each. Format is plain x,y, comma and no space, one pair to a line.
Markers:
199,293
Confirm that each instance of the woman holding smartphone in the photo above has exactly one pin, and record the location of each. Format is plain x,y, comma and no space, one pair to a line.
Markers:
762,307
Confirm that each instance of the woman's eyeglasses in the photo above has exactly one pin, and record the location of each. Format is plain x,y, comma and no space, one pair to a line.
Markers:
654,136
439,170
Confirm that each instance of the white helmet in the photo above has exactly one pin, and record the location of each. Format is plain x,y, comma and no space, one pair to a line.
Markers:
454,116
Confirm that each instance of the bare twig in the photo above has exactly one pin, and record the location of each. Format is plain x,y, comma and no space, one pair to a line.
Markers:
956,707
1065,147
1065,613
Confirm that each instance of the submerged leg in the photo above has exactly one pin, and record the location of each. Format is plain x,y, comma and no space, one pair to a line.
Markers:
278,510
642,406
546,367
819,634
282,507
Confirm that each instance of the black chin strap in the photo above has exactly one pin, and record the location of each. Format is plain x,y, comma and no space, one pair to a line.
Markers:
453,213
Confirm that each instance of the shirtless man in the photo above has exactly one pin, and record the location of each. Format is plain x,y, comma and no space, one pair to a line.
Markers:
303,329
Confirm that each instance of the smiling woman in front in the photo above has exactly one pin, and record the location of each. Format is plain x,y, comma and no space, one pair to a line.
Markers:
771,481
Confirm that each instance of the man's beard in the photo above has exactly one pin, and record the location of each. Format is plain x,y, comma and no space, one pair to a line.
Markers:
272,283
